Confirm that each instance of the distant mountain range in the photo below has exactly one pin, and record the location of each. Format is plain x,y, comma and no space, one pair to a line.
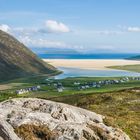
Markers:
16,60
42,50
135,57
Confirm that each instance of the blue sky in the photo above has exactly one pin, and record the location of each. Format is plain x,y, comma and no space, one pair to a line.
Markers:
87,26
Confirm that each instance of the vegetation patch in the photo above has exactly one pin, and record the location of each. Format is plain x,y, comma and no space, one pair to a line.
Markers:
35,132
120,108
119,103
134,68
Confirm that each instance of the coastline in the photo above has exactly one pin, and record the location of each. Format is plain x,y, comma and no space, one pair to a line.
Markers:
91,64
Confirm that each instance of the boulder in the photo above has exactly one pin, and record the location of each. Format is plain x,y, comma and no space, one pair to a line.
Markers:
37,119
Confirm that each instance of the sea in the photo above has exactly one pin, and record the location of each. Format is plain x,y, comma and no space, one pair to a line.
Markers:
88,56
75,72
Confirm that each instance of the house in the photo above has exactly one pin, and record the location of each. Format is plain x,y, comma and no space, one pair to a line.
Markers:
76,83
26,90
55,85
82,87
60,89
21,91
86,86
38,87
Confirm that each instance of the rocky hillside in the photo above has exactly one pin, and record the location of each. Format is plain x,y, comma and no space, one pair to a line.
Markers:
16,60
36,119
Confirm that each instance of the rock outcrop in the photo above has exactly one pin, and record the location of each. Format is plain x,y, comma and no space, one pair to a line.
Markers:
36,119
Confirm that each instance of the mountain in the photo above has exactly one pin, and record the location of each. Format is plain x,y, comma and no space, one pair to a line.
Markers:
37,119
16,60
135,57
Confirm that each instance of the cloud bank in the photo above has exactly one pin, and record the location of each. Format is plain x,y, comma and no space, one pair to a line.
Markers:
51,26
5,28
134,29
41,43
42,37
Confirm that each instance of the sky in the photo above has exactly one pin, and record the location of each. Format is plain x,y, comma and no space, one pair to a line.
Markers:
85,26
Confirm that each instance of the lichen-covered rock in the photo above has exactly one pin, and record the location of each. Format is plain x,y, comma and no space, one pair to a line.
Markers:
7,131
44,118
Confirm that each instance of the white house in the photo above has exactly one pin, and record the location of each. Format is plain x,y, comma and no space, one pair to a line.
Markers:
60,89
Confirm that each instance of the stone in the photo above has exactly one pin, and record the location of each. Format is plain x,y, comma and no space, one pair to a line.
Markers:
65,121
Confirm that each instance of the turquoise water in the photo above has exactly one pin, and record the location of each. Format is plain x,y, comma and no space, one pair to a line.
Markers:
87,56
75,72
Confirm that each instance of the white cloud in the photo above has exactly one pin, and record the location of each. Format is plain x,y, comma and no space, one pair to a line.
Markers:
99,32
33,37
56,27
51,26
44,43
41,43
5,28
24,31
133,29
127,29
108,32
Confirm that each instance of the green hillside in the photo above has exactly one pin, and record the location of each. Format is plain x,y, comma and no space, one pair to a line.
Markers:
133,68
16,60
121,108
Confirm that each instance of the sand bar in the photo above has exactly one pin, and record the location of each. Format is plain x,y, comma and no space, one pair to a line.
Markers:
98,64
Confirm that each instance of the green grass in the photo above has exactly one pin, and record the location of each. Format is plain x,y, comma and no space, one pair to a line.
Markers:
7,94
121,108
48,92
134,68
118,102
70,89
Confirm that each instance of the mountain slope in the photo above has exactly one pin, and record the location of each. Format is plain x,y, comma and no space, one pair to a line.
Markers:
16,60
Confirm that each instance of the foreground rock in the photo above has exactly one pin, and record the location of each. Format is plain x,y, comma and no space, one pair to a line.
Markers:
36,119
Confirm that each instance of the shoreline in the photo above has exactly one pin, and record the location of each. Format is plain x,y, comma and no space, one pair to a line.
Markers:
91,64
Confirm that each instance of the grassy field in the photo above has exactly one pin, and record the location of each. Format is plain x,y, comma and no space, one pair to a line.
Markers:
48,90
121,108
134,68
120,103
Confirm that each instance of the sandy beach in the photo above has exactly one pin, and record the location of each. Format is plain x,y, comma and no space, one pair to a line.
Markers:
97,64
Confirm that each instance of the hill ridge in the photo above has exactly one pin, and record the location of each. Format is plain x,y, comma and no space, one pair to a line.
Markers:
16,60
